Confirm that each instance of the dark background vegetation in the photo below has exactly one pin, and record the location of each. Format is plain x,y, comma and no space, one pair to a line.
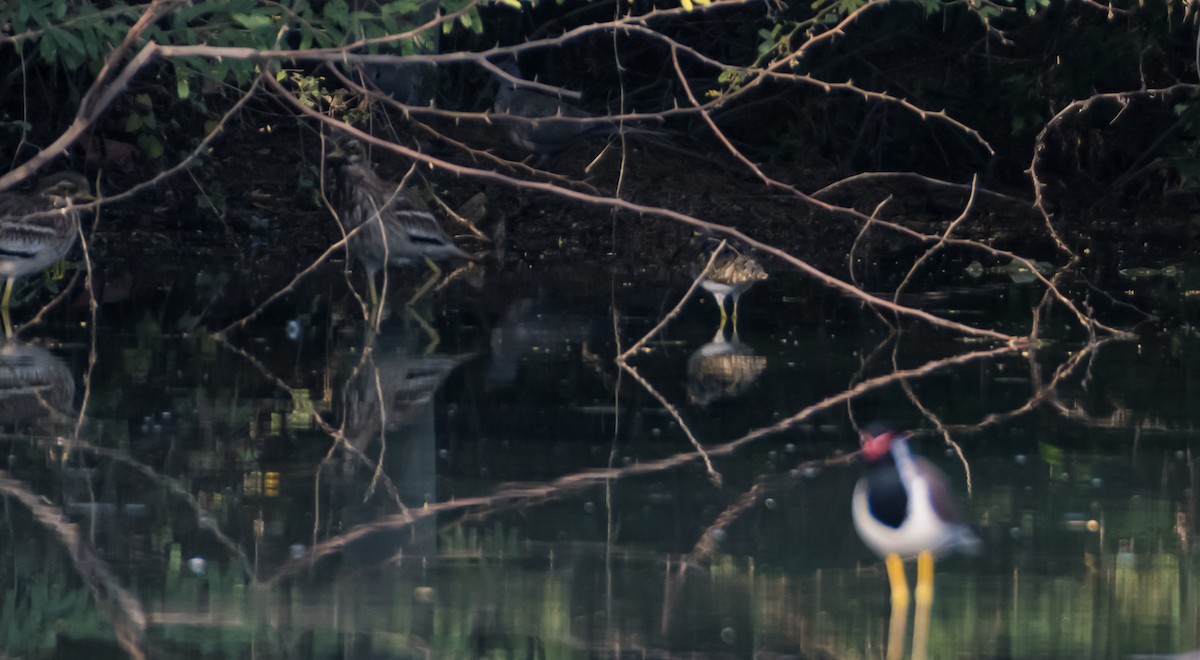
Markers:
1006,70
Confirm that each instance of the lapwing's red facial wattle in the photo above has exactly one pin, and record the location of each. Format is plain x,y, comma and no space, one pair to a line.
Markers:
875,446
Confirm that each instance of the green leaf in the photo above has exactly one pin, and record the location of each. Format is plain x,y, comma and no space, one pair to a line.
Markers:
68,41
181,85
47,50
252,21
133,123
150,146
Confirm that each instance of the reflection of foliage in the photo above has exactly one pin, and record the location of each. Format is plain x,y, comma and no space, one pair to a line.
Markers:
462,539
38,603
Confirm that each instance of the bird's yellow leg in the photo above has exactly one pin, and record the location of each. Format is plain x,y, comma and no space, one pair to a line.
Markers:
899,619
924,591
8,289
924,598
375,313
734,317
895,569
434,337
371,289
434,276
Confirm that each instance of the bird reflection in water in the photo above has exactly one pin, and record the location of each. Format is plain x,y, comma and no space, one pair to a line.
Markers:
35,386
724,367
388,416
530,327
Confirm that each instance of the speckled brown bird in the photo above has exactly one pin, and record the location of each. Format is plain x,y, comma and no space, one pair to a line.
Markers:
399,233
38,228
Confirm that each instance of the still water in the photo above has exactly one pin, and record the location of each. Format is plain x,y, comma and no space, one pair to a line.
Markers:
480,479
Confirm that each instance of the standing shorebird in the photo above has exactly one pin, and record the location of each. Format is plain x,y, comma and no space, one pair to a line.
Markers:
903,508
731,275
38,229
398,233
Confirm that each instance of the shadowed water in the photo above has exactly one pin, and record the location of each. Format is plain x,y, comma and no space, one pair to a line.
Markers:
304,488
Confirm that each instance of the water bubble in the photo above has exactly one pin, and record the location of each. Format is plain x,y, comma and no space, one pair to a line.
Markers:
810,472
165,415
718,535
627,460
728,635
1097,482
1021,459
1015,533
297,551
772,455
790,447
293,329
443,454
589,507
157,429
771,503
197,566
655,432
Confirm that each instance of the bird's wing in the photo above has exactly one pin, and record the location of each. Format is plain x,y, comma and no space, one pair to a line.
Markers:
941,495
24,237
420,227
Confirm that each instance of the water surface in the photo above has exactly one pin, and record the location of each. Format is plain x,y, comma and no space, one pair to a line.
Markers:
480,479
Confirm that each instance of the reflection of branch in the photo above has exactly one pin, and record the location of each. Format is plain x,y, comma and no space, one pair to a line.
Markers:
129,621
713,475
912,271
522,495
204,519
337,434
678,306
1043,394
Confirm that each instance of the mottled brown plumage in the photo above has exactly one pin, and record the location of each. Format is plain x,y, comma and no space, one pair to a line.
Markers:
731,275
38,228
399,232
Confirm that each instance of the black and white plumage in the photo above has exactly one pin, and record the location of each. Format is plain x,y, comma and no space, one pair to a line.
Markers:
543,124
903,504
398,231
38,228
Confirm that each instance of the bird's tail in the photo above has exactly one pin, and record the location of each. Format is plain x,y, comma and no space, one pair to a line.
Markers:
966,542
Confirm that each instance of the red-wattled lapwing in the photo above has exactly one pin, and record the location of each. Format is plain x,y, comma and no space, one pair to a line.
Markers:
903,508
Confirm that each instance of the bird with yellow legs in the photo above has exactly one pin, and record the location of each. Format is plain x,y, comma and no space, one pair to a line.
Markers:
903,509
386,226
38,229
